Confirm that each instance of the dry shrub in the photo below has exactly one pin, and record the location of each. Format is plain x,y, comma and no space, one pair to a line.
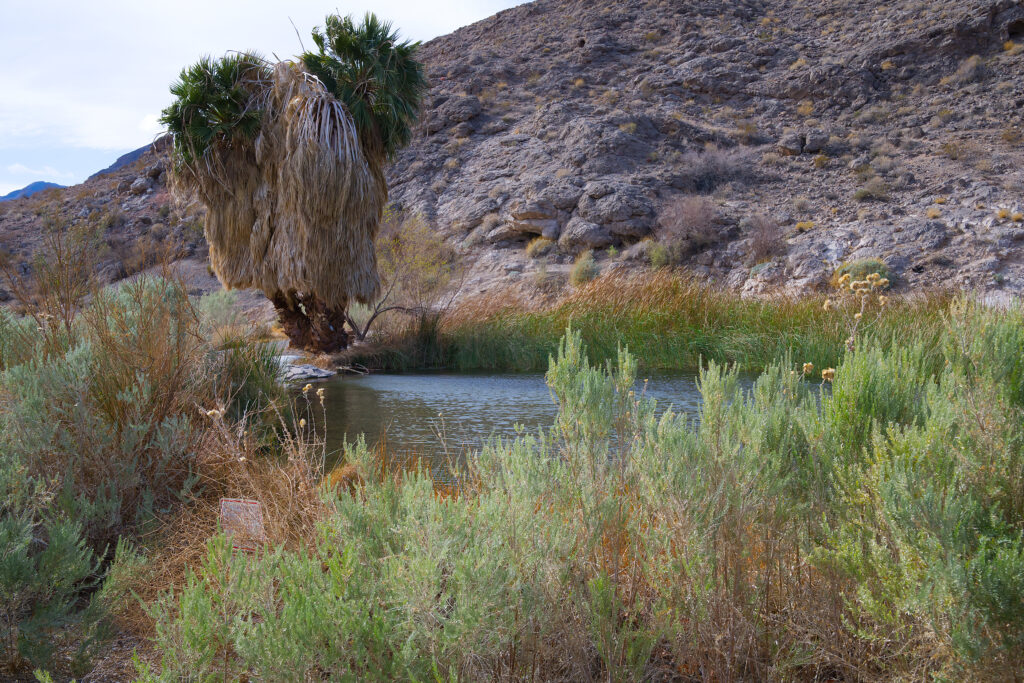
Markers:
420,271
687,225
584,269
971,70
705,170
961,150
873,188
539,247
765,238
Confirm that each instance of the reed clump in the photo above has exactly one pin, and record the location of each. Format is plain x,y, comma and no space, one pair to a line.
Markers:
670,320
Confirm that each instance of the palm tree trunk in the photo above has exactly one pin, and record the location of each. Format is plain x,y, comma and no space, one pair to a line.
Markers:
310,325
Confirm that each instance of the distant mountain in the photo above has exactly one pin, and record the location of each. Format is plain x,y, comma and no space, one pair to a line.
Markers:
29,190
122,161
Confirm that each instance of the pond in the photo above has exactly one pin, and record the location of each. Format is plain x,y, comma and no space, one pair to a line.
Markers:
414,413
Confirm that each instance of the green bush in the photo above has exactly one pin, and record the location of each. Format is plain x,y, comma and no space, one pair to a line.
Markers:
44,564
112,408
659,255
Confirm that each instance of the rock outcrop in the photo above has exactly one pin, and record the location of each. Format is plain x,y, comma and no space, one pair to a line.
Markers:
579,121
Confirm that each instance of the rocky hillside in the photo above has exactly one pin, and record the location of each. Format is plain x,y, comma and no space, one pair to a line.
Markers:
760,143
130,207
862,128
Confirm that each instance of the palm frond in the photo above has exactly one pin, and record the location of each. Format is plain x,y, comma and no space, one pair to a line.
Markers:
374,74
217,104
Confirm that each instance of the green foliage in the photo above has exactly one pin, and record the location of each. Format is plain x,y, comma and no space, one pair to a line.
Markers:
884,510
374,74
44,563
670,321
216,105
219,309
109,408
659,255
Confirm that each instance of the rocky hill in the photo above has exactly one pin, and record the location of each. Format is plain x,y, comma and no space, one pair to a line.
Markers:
760,143
862,128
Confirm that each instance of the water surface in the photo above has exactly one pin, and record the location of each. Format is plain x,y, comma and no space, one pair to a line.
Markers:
413,413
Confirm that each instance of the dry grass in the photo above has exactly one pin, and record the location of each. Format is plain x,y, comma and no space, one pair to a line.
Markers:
232,463
971,70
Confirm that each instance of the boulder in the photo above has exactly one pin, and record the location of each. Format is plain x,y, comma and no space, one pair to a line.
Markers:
815,142
533,209
503,233
791,144
580,234
141,185
625,211
454,110
564,197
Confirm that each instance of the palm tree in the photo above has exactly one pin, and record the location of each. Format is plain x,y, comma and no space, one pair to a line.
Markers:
289,160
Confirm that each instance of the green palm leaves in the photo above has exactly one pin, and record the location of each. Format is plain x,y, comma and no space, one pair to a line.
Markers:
374,75
217,104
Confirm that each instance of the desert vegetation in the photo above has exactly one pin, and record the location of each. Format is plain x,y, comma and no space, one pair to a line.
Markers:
669,319
845,503
855,514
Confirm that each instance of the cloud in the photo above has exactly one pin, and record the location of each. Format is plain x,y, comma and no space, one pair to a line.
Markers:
31,115
150,125
44,172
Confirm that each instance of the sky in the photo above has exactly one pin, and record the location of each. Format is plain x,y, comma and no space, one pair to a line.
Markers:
84,81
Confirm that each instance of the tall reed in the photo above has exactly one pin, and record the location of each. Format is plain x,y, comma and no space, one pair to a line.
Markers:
669,320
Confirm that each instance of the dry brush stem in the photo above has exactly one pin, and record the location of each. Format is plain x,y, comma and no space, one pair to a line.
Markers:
229,464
